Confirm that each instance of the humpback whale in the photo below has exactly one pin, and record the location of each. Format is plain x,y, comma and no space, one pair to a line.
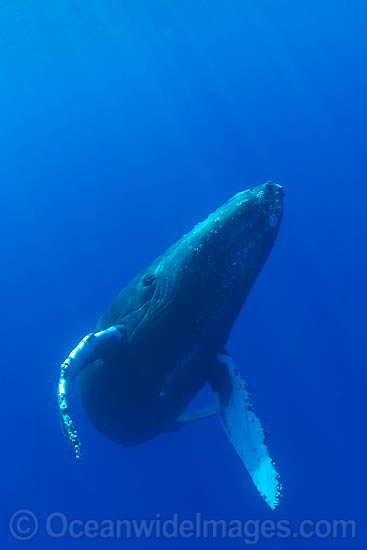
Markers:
164,337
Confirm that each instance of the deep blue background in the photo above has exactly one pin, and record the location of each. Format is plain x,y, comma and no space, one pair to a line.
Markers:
123,123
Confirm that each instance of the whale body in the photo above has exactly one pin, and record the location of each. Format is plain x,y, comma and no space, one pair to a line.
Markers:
164,336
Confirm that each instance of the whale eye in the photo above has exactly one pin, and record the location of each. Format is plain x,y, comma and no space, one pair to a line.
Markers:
148,280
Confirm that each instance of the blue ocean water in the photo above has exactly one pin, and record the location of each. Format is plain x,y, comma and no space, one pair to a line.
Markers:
122,125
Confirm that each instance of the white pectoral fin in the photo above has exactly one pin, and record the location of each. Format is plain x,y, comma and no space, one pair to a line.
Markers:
246,434
196,416
92,347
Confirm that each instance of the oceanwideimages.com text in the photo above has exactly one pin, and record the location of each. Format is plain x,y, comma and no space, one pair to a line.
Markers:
24,525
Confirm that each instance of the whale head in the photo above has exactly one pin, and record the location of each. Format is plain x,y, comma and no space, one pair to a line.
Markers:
209,272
